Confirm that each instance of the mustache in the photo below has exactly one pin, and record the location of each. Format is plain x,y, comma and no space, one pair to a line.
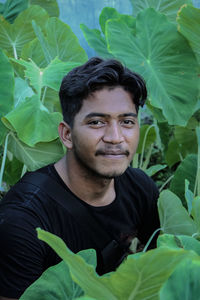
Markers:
110,150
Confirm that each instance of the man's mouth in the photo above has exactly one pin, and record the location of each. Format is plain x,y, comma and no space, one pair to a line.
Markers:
112,154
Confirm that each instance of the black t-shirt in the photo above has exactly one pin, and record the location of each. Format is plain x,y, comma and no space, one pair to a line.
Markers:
23,257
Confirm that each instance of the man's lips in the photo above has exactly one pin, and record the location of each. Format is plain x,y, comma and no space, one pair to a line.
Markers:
112,153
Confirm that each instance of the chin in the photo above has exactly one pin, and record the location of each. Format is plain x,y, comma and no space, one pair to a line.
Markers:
112,173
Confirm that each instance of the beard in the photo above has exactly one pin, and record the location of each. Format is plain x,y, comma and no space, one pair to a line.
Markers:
89,170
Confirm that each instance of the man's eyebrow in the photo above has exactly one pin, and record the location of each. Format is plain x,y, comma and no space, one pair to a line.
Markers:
96,114
129,115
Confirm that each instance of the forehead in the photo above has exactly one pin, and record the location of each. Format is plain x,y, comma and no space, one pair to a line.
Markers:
115,101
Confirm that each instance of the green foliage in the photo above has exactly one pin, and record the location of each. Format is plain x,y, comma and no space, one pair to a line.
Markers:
37,50
138,277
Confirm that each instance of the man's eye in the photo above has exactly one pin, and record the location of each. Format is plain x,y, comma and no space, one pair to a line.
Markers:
128,122
96,123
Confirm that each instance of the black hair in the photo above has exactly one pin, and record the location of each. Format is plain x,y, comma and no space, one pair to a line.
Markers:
94,75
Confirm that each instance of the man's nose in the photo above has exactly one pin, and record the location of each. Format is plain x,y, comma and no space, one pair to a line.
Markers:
113,134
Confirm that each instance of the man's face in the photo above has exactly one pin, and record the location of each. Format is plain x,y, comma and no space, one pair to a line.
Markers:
105,133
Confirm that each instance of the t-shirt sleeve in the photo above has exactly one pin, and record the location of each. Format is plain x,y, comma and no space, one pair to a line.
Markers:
21,252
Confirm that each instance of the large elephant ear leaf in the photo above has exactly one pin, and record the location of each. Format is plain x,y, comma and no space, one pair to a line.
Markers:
51,6
189,25
33,128
163,57
174,219
15,36
185,275
167,7
35,157
7,90
40,78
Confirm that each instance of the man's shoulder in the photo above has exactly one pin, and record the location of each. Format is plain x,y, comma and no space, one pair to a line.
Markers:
135,180
25,194
135,174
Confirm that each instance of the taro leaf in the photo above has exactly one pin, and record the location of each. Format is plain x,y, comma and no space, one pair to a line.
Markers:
111,13
51,6
165,60
57,40
179,241
95,38
14,36
7,90
52,101
56,282
189,196
186,170
174,218
189,25
22,90
32,122
13,171
196,212
167,7
186,138
96,41
184,283
173,153
154,169
63,42
136,278
148,133
35,157
11,9
46,77
82,273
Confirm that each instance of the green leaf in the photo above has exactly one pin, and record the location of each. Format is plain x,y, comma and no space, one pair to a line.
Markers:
174,218
11,9
54,283
167,7
7,90
147,135
22,91
40,78
14,36
136,278
196,212
35,157
186,170
31,129
189,196
56,40
13,171
189,25
154,169
183,284
96,41
51,6
179,241
165,60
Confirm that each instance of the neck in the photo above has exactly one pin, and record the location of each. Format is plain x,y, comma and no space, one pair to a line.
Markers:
92,189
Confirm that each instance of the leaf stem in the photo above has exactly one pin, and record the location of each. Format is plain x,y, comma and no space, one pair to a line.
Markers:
3,161
151,238
165,183
143,144
44,94
15,52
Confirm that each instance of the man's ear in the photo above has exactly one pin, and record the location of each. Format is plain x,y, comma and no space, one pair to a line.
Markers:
65,134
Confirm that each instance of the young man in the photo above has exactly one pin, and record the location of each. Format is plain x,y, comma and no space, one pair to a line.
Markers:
100,102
